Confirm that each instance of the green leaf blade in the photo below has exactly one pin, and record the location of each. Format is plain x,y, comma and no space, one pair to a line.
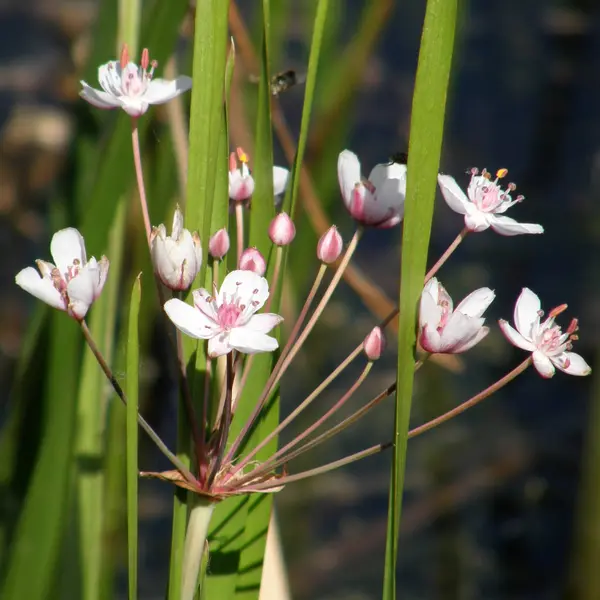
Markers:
426,132
133,361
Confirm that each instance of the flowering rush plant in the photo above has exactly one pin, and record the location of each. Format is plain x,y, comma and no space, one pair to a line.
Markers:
219,294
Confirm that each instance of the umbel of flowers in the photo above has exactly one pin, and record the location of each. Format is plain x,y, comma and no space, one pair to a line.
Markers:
234,319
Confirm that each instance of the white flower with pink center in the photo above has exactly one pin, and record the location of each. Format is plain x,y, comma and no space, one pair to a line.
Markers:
377,201
241,182
73,283
131,87
447,330
484,201
228,320
550,347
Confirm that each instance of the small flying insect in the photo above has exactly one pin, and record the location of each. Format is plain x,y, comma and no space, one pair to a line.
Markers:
400,158
281,82
285,80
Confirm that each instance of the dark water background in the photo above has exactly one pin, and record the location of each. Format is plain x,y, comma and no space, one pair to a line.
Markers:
491,498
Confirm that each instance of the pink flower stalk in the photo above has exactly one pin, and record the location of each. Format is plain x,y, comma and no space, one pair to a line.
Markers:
241,182
74,283
374,343
378,201
228,320
484,201
131,87
330,246
447,330
550,347
218,245
282,230
252,260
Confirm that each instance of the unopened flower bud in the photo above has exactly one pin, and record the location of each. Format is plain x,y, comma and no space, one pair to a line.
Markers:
177,258
282,230
330,246
374,343
252,260
218,245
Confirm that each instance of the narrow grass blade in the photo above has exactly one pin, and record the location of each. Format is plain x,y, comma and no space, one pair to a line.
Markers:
206,115
309,94
91,418
38,535
263,208
133,361
426,131
210,55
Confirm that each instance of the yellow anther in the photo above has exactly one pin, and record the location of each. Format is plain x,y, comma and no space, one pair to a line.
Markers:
501,173
242,156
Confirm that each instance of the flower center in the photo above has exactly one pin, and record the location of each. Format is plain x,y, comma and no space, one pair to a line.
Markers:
61,280
134,79
487,195
550,340
228,314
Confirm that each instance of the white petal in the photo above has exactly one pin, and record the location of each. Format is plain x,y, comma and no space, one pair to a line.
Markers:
280,180
251,288
527,312
453,195
430,312
98,98
190,320
219,345
391,193
249,341
240,187
514,337
264,322
205,303
572,364
430,339
82,290
348,174
177,228
476,303
476,220
459,330
508,226
467,345
40,287
543,364
103,266
67,245
109,76
134,107
163,90
383,172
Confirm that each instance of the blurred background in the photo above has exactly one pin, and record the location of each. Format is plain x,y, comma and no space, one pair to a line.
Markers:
504,501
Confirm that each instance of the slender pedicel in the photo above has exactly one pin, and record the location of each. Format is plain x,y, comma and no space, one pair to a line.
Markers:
119,391
137,160
461,408
451,248
260,402
322,469
301,407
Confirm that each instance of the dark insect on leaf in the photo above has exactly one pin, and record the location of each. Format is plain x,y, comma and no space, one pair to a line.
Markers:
400,158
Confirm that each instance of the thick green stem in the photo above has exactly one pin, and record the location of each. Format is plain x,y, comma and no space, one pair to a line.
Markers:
195,540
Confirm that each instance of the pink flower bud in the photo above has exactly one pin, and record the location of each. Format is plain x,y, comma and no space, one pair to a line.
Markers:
252,260
374,343
282,230
330,246
218,245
